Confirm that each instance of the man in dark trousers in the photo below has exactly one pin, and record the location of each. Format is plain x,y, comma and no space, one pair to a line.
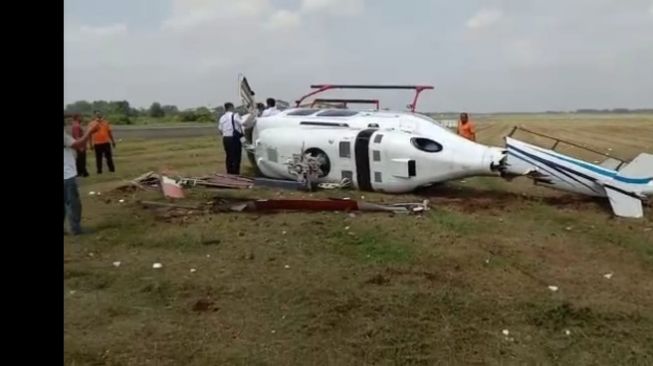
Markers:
78,132
230,126
102,142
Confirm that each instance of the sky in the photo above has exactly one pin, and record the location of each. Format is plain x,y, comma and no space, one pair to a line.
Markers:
480,55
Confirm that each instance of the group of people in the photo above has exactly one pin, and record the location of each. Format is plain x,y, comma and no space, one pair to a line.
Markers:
230,126
98,137
102,142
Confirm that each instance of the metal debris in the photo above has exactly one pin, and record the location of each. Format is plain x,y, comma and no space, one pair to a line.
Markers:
91,193
286,266
121,200
567,332
327,205
193,270
116,264
157,265
608,275
553,288
505,332
171,188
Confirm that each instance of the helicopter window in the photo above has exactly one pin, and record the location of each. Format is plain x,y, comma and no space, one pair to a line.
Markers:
377,177
272,155
302,112
376,154
345,149
378,138
338,113
426,145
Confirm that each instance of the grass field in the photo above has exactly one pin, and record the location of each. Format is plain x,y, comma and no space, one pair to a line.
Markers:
337,289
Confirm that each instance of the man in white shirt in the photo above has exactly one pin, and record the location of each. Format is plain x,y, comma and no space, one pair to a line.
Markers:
230,126
72,207
271,110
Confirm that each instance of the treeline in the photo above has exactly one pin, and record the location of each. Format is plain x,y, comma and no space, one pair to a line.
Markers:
121,112
615,110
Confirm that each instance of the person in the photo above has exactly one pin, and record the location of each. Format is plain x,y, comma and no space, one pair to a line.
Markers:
103,142
72,206
466,127
271,109
78,132
260,107
230,126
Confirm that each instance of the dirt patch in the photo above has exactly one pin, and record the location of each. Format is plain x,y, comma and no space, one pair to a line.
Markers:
378,280
204,305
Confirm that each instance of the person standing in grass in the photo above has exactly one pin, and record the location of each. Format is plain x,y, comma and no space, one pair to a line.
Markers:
78,132
231,129
466,127
102,142
72,206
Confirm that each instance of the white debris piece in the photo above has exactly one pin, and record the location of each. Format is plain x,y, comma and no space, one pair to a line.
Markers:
157,265
116,264
505,332
273,331
346,228
91,254
72,292
553,288
193,270
568,228
99,193
91,193
283,232
286,266
608,275
487,261
208,256
121,200
567,332
362,197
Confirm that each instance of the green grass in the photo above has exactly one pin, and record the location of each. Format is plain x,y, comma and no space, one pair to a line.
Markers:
329,288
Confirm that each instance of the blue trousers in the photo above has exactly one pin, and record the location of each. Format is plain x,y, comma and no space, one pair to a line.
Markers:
72,206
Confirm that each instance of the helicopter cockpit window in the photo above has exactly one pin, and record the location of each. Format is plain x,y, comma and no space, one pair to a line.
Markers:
302,112
338,113
426,145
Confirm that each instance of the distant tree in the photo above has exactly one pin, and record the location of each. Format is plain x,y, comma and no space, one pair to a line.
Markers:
80,106
170,110
156,111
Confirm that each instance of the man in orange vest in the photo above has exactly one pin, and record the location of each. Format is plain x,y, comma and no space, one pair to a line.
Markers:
102,142
466,127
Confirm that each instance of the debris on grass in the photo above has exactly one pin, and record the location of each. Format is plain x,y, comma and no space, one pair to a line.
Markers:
553,288
193,270
121,200
346,228
91,193
116,264
157,265
171,188
505,332
283,232
72,292
608,275
569,228
286,266
567,332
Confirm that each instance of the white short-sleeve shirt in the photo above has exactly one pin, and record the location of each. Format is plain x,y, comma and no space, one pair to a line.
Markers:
69,167
225,126
270,112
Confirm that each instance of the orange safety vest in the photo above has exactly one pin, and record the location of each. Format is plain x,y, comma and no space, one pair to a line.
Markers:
101,136
466,130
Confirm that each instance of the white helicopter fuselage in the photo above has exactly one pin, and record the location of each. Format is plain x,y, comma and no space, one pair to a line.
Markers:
377,151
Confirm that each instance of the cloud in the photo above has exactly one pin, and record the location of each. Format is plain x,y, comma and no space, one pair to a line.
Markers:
484,18
333,7
283,19
104,31
189,14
